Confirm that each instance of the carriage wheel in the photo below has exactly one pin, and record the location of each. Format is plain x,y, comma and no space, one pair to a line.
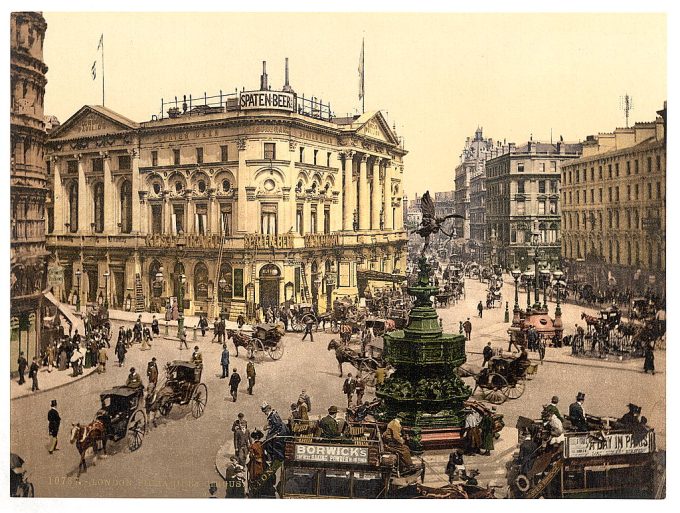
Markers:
198,400
368,373
256,348
522,483
276,352
516,391
136,429
297,326
165,406
496,389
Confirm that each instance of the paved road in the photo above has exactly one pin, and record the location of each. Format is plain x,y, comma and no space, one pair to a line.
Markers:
177,457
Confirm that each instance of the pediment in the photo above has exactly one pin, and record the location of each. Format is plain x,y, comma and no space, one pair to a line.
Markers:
376,128
92,122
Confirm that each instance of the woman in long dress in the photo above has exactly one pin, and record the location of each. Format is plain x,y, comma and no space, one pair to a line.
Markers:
62,359
649,358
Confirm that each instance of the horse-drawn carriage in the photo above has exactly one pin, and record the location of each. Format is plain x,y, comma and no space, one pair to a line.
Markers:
182,386
366,363
265,338
640,308
97,317
504,378
301,314
123,415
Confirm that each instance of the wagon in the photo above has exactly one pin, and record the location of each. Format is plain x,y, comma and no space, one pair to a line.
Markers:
182,386
122,415
505,378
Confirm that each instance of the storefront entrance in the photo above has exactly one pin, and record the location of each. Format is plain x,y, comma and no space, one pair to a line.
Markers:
270,278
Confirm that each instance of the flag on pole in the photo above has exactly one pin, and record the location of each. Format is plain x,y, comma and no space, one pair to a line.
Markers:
101,41
361,71
93,70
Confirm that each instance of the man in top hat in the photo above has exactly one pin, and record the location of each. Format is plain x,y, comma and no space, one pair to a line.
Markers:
23,364
552,408
577,415
329,425
250,374
53,421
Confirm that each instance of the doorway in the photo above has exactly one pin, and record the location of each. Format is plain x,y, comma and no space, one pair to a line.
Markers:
270,277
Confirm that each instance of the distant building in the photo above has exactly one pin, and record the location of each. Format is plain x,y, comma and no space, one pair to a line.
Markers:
28,184
614,204
522,189
414,214
444,203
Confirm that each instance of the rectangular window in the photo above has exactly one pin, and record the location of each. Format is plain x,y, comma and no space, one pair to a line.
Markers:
156,219
224,153
176,157
637,191
658,162
627,168
299,220
610,194
154,158
541,208
553,186
649,191
520,167
238,282
327,220
553,206
313,221
519,207
541,186
270,151
328,159
177,219
302,154
609,170
541,167
599,195
599,172
124,163
628,192
578,175
520,187
201,219
316,152
592,195
268,220
616,193
637,166
199,155
649,164
658,190
553,166
98,165
226,219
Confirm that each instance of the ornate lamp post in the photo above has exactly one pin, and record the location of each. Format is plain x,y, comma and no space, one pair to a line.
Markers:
558,275
516,273
545,276
180,296
78,273
529,278
535,241
106,289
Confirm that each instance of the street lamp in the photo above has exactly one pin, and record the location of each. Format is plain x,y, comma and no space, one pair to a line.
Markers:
535,241
516,273
529,276
106,288
558,283
78,273
180,306
545,276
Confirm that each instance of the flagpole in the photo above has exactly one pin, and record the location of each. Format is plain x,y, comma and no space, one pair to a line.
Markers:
103,80
363,77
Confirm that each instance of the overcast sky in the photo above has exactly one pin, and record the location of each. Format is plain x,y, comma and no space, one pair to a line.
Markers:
436,76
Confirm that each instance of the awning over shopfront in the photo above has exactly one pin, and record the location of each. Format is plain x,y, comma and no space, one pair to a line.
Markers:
70,317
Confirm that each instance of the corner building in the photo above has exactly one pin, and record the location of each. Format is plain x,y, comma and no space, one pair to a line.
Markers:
256,198
28,184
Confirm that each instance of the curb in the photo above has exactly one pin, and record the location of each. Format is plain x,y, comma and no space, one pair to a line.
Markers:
222,458
32,394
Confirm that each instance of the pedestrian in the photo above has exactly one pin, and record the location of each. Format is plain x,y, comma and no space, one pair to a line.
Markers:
309,324
488,353
33,374
152,374
240,320
53,422
146,339
241,438
77,362
577,415
234,381
360,389
137,329
552,408
224,361
305,397
101,359
486,427
183,338
467,326
197,357
480,309
22,365
202,324
348,388
250,374
455,465
472,430
540,346
649,358
256,458
52,356
154,327
222,328
120,351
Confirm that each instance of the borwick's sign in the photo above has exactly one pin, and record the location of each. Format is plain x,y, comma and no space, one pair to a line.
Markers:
249,100
612,444
331,453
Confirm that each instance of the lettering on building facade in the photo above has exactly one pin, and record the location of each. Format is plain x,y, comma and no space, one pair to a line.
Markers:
249,100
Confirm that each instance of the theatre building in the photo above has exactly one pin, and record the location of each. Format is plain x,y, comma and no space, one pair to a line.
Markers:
232,201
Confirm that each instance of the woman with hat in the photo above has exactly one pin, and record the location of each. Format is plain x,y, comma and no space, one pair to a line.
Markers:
255,456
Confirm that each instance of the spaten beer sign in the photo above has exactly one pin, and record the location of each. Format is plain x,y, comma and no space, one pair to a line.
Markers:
331,453
611,444
250,100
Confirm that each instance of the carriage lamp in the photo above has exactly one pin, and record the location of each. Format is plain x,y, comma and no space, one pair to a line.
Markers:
106,289
545,276
516,273
78,273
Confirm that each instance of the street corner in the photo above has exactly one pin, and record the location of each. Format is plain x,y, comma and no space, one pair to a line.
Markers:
223,458
47,381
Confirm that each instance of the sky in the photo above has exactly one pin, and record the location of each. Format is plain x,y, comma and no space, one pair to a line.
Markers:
436,76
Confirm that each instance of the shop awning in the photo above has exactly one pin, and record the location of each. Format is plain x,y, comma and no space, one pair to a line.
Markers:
63,309
381,276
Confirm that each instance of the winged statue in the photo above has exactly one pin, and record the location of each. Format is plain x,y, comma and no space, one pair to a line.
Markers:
431,223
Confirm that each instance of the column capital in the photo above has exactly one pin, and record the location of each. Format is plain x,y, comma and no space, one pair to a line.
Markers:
105,155
363,158
78,156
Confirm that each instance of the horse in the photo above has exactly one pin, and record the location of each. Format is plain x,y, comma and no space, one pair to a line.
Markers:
342,354
87,436
591,320
240,340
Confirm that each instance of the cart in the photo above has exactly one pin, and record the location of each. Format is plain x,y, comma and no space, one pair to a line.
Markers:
504,378
122,415
267,338
301,313
182,386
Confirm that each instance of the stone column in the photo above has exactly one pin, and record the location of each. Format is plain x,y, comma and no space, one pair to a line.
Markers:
242,180
213,214
364,214
387,195
167,214
190,213
136,205
109,206
59,198
84,214
376,200
346,186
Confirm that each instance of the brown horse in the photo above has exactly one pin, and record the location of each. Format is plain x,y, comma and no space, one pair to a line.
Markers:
342,354
87,436
591,320
240,340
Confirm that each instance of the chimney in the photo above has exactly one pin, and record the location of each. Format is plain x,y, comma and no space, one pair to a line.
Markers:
263,77
286,86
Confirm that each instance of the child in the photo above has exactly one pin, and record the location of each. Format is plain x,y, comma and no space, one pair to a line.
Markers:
455,465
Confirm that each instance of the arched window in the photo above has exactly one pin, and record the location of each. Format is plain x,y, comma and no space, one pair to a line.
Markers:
200,282
155,284
126,207
224,283
99,207
73,207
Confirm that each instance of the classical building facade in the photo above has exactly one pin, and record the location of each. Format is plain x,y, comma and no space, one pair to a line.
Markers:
522,191
444,203
614,202
28,183
255,199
